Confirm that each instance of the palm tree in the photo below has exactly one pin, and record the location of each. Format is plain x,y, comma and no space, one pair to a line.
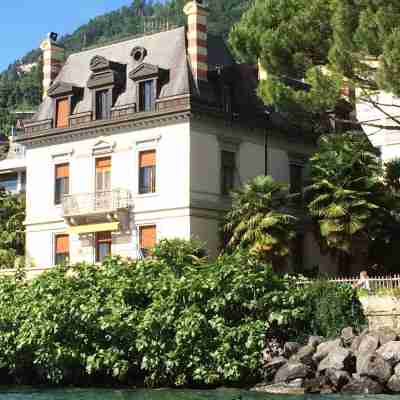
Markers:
344,197
257,220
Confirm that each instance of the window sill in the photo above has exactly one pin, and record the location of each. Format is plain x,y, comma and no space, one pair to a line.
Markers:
146,195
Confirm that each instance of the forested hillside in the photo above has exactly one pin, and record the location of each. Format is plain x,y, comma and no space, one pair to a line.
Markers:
21,90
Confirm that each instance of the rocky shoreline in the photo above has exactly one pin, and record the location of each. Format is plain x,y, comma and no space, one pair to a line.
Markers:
368,363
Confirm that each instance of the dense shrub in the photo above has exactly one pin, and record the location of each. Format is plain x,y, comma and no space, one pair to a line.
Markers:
168,320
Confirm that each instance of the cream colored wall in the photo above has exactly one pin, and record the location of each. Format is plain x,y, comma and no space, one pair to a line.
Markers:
168,208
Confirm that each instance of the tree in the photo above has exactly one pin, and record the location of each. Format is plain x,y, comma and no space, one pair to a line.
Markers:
329,44
346,198
257,220
12,229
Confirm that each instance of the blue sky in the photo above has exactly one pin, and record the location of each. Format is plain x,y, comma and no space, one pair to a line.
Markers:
24,23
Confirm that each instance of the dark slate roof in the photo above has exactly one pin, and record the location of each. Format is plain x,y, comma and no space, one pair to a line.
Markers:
164,49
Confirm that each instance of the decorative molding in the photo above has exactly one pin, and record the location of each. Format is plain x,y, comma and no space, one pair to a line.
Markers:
147,141
106,73
61,88
138,54
103,146
60,157
99,63
147,71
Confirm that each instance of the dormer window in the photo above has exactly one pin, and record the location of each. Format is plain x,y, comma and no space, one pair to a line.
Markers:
147,95
103,105
65,96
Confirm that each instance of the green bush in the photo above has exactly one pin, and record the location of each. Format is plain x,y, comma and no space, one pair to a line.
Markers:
149,321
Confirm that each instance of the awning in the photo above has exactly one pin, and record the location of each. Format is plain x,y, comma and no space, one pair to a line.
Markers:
106,227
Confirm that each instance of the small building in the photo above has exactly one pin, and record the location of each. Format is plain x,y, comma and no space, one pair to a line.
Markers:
144,139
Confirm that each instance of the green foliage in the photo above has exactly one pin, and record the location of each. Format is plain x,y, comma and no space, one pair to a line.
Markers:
12,229
296,38
257,220
145,321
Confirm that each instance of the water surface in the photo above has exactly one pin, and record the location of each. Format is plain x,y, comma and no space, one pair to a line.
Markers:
163,394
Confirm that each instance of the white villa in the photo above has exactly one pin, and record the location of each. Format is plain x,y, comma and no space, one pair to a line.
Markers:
144,139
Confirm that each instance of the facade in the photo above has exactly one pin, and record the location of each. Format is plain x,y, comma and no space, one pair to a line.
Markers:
144,139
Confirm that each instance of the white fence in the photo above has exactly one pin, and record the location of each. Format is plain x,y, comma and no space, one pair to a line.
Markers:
376,283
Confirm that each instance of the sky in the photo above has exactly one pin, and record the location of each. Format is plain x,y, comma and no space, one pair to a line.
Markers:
25,23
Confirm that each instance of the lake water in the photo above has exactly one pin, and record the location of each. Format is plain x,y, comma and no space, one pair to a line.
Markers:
83,394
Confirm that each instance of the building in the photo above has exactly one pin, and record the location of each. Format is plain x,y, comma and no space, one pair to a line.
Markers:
143,139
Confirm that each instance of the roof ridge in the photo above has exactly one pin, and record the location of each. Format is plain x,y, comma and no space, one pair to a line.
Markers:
125,39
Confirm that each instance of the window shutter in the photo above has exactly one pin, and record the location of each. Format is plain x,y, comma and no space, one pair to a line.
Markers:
62,244
104,236
62,113
147,158
62,171
148,236
103,164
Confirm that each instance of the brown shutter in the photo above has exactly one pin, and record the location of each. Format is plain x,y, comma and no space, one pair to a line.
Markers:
147,158
148,237
103,237
103,164
62,171
62,113
62,244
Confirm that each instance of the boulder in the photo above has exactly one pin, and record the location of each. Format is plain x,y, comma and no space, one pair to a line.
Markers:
339,358
374,366
325,348
384,335
391,352
291,371
364,385
394,384
304,356
313,385
270,368
356,344
279,388
347,336
397,369
368,344
337,378
314,341
291,348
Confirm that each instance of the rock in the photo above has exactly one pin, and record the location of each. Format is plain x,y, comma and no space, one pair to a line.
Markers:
337,378
394,384
290,348
397,369
356,344
347,336
325,348
314,341
291,371
339,358
368,344
270,368
313,385
374,366
391,352
385,335
304,356
364,385
278,388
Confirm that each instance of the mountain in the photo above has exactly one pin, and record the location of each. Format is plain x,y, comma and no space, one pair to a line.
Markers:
20,84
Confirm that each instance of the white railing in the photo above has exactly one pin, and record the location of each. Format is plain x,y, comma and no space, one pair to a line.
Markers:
376,282
97,202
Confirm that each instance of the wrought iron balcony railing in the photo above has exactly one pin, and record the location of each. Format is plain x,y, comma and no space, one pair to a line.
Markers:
96,203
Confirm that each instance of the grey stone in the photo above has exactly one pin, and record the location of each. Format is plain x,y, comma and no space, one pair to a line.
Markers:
368,344
364,385
397,369
325,348
278,388
304,356
394,384
356,343
337,378
313,385
385,335
315,340
338,358
291,371
270,368
374,366
291,348
347,336
391,352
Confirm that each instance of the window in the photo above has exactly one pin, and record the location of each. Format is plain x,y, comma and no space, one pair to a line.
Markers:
146,95
147,171
228,167
61,249
103,245
103,106
62,113
103,174
23,181
296,178
61,182
148,238
9,182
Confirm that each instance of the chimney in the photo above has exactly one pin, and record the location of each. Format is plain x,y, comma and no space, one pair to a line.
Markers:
53,60
197,13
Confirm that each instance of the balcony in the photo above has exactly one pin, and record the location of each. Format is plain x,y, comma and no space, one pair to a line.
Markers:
96,207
